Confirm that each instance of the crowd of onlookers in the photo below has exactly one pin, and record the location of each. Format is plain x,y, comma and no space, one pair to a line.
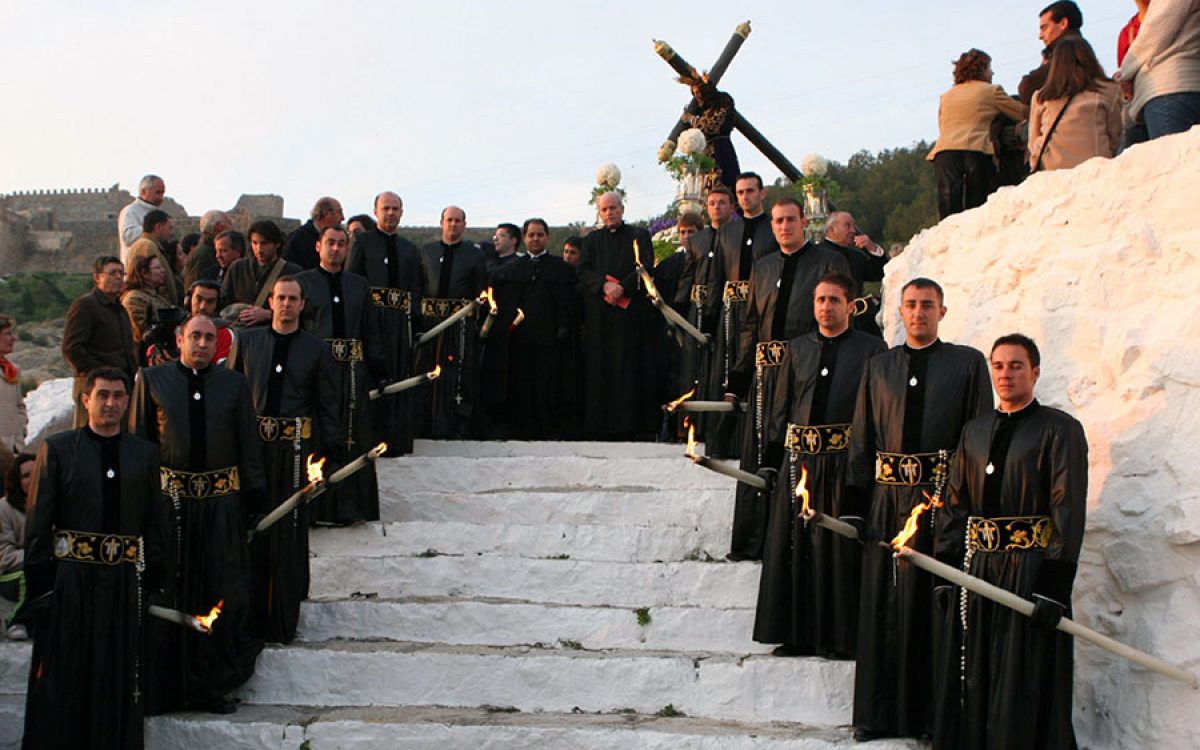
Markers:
1069,109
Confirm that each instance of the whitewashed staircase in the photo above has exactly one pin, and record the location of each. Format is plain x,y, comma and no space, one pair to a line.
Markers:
521,595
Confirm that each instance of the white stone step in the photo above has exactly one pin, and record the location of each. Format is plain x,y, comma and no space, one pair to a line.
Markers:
435,728
680,584
711,508
472,622
757,688
14,666
446,474
615,543
511,448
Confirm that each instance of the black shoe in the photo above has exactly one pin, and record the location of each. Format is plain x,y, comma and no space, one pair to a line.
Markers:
790,649
866,735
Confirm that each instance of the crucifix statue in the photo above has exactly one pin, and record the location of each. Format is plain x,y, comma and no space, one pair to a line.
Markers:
713,112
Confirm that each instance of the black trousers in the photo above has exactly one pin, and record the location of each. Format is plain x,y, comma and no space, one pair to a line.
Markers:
964,180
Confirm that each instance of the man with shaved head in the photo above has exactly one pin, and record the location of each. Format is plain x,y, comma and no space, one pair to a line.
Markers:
392,268
202,417
453,272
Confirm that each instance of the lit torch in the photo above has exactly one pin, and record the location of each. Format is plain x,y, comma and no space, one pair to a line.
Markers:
809,515
206,621
407,383
493,311
317,486
518,320
744,477
671,407
671,314
463,312
802,492
913,523
199,623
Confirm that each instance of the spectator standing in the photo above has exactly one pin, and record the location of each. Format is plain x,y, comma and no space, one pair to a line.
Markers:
1077,114
1057,20
1160,74
157,229
204,255
144,295
151,190
12,541
301,247
98,332
12,405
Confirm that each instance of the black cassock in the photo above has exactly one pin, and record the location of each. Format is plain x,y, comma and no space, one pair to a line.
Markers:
294,386
86,678
535,391
779,308
912,403
1022,527
451,276
301,246
752,240
392,268
667,276
338,309
203,422
808,592
619,344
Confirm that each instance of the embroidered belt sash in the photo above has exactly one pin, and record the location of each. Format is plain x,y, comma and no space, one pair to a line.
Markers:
391,298
816,439
271,429
346,350
1011,534
102,549
442,307
699,294
769,353
737,291
909,469
199,485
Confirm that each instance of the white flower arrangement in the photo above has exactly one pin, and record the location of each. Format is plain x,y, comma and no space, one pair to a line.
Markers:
814,165
608,176
692,141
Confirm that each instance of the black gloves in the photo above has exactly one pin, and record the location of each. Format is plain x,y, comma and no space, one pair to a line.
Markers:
1046,612
858,522
770,475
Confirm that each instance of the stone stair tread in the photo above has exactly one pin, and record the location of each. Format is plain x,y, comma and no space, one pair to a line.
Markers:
543,449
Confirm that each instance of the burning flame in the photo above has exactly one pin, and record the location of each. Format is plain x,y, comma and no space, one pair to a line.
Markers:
802,489
912,524
675,404
315,469
651,290
381,448
436,372
206,621
493,308
520,317
691,428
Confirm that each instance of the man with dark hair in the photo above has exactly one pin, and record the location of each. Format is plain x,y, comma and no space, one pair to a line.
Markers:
151,191
204,299
808,592
571,247
157,230
866,259
453,273
912,404
338,309
1055,20
531,382
98,332
202,417
230,247
96,550
392,268
1015,510
294,386
507,240
756,231
357,224
301,247
778,309
249,281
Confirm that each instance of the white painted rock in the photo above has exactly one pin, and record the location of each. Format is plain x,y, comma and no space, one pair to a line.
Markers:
1100,265
50,410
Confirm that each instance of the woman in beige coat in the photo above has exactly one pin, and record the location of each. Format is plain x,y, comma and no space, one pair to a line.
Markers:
144,295
963,155
1077,113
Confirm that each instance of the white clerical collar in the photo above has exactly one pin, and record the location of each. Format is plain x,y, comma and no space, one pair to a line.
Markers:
538,255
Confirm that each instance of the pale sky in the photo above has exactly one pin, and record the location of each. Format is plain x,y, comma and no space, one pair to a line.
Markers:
506,109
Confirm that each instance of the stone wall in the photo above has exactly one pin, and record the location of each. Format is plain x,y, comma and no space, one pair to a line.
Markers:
85,204
1100,265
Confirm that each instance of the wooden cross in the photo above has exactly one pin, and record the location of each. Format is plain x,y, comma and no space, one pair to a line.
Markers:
686,71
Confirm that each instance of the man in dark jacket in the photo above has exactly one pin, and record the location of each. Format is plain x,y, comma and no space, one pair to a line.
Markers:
301,247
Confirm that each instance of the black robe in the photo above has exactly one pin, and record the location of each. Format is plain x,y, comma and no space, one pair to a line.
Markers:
779,308
667,276
535,391
338,308
391,266
1019,678
952,386
301,246
450,277
808,592
86,679
214,432
290,376
619,343
753,240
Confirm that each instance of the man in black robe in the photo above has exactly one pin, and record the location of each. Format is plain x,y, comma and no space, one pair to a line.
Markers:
808,592
700,289
866,260
621,329
668,275
778,309
338,309
912,404
95,553
294,385
453,273
1015,511
543,288
202,418
301,247
392,268
249,280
